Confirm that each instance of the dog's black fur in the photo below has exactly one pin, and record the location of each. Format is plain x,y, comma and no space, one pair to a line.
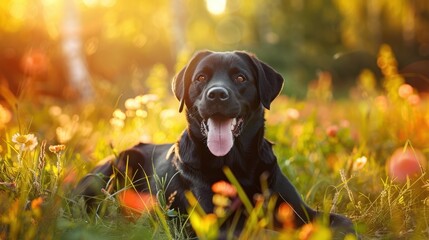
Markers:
214,85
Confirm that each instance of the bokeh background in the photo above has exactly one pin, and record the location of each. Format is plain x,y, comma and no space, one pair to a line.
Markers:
77,49
92,77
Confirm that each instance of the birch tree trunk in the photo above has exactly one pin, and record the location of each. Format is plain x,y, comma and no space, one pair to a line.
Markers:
78,75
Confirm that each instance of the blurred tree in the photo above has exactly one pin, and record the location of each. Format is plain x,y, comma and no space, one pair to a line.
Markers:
297,37
78,75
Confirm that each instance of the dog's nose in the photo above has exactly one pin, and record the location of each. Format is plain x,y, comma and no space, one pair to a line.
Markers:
217,93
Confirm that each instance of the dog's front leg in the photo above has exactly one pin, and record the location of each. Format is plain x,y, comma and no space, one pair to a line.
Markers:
341,225
283,187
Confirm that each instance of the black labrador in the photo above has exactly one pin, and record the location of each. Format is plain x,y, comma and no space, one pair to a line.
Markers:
225,94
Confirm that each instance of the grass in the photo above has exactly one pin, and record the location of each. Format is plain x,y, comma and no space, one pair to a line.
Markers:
336,153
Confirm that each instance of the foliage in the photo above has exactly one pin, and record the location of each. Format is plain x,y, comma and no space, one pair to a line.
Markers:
335,152
125,39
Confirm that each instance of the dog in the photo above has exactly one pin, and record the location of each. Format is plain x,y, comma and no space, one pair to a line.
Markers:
225,95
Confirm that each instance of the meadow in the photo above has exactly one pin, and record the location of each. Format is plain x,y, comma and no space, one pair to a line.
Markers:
339,153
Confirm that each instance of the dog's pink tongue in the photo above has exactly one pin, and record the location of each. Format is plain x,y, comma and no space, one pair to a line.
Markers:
219,136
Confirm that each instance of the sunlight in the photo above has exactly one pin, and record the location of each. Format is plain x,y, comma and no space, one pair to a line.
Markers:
104,3
216,7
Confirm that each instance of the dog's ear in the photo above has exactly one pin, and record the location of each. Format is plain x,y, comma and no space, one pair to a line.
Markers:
183,79
269,81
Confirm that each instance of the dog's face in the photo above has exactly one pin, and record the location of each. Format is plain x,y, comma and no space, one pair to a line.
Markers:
220,91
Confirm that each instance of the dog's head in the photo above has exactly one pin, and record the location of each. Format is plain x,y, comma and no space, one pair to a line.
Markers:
220,89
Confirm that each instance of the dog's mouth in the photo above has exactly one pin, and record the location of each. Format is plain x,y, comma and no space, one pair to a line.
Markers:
220,133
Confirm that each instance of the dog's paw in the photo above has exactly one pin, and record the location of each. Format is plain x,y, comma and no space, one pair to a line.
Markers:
341,226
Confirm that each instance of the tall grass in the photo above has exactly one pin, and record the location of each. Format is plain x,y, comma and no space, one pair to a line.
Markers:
336,153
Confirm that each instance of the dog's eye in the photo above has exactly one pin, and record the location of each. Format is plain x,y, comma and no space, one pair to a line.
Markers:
240,78
201,78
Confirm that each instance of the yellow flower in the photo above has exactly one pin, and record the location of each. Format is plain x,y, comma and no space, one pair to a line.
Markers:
206,226
119,114
292,113
132,104
405,90
148,98
220,211
117,123
221,201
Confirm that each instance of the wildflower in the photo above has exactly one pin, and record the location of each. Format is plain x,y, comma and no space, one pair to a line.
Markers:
413,99
381,102
205,226
19,139
220,200
359,163
141,113
117,123
145,99
405,163
36,203
405,90
25,142
223,191
57,148
135,204
132,104
219,211
306,231
292,113
65,134
286,215
168,114
55,111
119,114
31,142
332,131
224,188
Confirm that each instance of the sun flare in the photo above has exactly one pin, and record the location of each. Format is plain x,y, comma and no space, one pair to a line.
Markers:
216,7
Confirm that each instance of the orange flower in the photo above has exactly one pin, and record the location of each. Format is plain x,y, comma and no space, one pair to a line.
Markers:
285,215
57,148
306,231
135,204
224,188
36,203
